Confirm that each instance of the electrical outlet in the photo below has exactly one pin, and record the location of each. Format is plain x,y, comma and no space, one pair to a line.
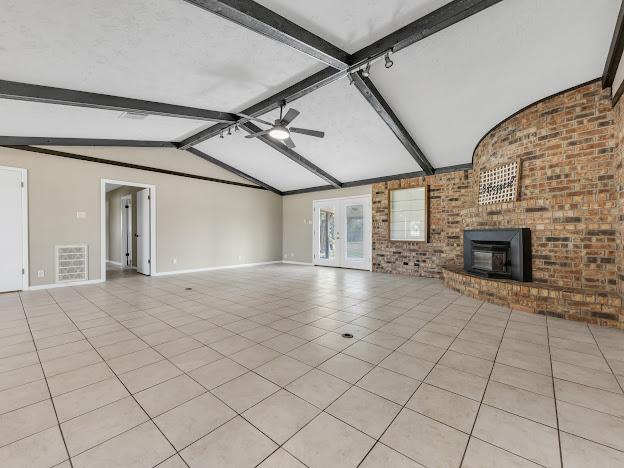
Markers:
40,274
81,214
240,257
175,260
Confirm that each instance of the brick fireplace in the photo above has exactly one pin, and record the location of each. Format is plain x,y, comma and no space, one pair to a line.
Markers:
570,197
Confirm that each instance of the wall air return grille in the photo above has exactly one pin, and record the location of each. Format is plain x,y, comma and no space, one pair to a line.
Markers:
72,263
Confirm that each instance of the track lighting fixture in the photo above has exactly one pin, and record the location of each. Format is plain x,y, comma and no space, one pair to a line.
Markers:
389,62
229,130
366,71
350,78
236,128
221,134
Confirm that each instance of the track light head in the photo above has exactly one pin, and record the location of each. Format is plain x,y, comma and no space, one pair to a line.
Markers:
350,78
389,62
236,129
229,130
221,134
366,71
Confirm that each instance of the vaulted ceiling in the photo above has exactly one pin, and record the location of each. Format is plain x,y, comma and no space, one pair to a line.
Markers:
460,67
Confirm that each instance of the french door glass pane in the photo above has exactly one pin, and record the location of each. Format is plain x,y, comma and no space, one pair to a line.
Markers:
327,235
355,231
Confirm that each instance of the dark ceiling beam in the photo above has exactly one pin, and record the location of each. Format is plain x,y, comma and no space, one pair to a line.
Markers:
372,95
260,19
377,180
233,170
46,141
69,97
615,50
435,21
292,155
299,89
80,157
442,18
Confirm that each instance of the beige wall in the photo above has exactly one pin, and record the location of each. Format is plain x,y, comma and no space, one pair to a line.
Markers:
202,224
297,220
113,240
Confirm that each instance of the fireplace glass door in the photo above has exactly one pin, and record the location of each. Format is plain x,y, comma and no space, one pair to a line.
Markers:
491,259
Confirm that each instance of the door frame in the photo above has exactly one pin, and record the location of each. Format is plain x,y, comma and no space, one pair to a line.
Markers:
124,199
103,235
368,238
25,256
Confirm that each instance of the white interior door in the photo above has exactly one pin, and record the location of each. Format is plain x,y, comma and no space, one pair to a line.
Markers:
326,237
342,232
143,232
126,231
11,230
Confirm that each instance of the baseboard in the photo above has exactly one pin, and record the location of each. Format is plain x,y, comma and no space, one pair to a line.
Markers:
226,267
114,263
64,285
292,262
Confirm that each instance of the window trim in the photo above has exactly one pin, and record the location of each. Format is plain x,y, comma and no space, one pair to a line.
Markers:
427,231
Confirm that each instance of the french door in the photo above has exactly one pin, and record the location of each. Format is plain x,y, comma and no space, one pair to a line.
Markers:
342,232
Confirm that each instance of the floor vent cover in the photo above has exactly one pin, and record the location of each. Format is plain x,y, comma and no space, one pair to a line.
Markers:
72,263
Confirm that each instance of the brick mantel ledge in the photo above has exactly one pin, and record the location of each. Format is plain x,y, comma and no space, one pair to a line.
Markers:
584,305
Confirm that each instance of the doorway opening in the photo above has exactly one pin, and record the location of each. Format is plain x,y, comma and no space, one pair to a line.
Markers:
342,234
128,229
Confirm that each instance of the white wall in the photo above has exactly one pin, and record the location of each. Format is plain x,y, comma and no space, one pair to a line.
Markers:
201,223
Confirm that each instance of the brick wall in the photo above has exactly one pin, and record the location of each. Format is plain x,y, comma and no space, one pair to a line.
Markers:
619,173
568,196
448,196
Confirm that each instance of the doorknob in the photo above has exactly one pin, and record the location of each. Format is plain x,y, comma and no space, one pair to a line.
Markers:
136,235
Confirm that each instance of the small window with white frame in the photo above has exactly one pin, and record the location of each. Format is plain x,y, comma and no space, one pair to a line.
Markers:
408,214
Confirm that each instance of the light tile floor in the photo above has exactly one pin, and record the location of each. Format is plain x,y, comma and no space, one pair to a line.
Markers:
247,367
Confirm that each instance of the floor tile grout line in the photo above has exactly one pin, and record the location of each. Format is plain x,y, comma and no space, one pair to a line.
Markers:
554,393
126,388
58,422
605,358
378,439
474,423
281,317
351,385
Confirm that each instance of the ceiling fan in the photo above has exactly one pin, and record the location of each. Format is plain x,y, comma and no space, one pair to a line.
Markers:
280,130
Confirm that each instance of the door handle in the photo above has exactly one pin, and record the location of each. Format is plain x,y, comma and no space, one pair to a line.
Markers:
137,235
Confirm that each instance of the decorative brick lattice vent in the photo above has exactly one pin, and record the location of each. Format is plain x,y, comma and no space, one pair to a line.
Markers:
72,263
499,184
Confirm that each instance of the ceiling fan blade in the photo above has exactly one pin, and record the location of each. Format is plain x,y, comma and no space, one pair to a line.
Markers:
290,116
305,131
255,118
254,135
288,142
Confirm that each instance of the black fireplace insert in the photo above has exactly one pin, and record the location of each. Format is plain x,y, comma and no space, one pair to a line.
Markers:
498,253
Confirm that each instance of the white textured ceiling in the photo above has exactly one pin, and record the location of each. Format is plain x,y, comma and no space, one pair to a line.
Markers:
261,161
448,89
159,50
453,87
34,119
352,24
357,145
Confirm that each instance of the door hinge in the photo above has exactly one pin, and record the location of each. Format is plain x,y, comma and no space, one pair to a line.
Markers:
149,261
23,271
22,184
149,197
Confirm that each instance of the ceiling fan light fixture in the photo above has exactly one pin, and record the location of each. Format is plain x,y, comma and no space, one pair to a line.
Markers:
279,133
